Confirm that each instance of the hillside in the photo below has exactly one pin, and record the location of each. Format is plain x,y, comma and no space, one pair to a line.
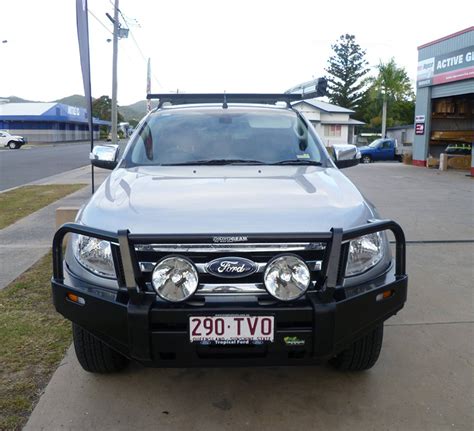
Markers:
14,99
135,111
74,100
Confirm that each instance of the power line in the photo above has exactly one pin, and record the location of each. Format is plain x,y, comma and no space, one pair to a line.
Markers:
145,58
119,11
99,21
138,47
134,40
122,15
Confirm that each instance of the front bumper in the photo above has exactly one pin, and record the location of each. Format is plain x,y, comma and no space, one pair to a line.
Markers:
142,327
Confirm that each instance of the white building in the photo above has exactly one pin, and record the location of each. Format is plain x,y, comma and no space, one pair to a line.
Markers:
405,135
47,122
333,123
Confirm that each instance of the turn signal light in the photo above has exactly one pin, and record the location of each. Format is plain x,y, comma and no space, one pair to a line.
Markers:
384,295
74,298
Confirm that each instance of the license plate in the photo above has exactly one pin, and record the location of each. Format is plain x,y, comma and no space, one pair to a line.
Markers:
231,329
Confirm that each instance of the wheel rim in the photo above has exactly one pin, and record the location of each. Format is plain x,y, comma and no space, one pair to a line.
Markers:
366,159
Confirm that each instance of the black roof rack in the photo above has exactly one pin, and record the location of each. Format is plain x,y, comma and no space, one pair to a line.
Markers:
318,90
196,98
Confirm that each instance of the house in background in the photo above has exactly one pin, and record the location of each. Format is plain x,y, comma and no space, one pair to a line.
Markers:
333,123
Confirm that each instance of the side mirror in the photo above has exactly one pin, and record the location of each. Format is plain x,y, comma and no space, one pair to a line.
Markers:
341,164
105,156
346,156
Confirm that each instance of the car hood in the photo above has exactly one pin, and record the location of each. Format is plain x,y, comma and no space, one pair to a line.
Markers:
226,199
365,148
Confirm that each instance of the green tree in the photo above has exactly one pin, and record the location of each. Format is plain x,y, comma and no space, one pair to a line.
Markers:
347,69
102,108
391,87
133,123
403,111
398,111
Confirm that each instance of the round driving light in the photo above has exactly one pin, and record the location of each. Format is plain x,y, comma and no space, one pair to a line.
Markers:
287,277
175,279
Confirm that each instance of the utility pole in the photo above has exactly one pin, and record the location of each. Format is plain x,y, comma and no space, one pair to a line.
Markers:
114,72
384,115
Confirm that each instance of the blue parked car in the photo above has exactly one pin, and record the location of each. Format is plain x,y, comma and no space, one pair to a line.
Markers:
381,149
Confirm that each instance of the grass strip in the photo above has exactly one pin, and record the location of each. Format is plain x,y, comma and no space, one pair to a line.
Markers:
18,203
33,340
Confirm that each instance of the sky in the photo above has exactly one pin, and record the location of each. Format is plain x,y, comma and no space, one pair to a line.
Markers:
208,45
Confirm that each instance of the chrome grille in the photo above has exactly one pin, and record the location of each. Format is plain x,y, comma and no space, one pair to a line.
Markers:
202,254
313,265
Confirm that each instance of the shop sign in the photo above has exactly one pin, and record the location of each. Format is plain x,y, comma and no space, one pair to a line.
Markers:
73,110
442,69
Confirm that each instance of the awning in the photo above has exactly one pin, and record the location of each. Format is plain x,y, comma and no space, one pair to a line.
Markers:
350,122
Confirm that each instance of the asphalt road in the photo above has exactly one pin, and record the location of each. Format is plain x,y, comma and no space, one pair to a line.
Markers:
22,166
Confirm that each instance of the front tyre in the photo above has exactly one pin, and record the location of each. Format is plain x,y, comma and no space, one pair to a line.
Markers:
362,354
95,356
13,145
366,159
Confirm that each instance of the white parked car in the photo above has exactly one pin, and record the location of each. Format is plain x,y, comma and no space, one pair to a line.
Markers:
12,141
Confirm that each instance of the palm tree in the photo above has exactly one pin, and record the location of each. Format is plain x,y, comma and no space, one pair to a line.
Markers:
391,84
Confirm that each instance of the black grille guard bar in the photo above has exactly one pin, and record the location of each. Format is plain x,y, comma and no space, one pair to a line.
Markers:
132,274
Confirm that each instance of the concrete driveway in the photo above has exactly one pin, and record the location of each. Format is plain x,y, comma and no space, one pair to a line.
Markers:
423,380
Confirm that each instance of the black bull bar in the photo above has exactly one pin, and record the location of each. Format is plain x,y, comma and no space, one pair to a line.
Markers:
323,301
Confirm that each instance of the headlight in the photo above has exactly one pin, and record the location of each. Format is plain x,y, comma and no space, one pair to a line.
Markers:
175,279
287,277
94,254
364,253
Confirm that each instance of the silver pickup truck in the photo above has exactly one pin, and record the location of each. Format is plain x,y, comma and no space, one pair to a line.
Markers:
226,235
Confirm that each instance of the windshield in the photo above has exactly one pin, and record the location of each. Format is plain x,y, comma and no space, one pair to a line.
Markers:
216,135
376,143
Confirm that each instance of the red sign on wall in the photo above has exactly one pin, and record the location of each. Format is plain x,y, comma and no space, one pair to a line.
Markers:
419,128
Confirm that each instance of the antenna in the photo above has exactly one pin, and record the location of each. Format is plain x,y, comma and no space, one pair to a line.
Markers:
148,86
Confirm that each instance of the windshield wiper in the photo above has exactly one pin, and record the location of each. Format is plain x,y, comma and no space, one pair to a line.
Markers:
298,162
216,162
